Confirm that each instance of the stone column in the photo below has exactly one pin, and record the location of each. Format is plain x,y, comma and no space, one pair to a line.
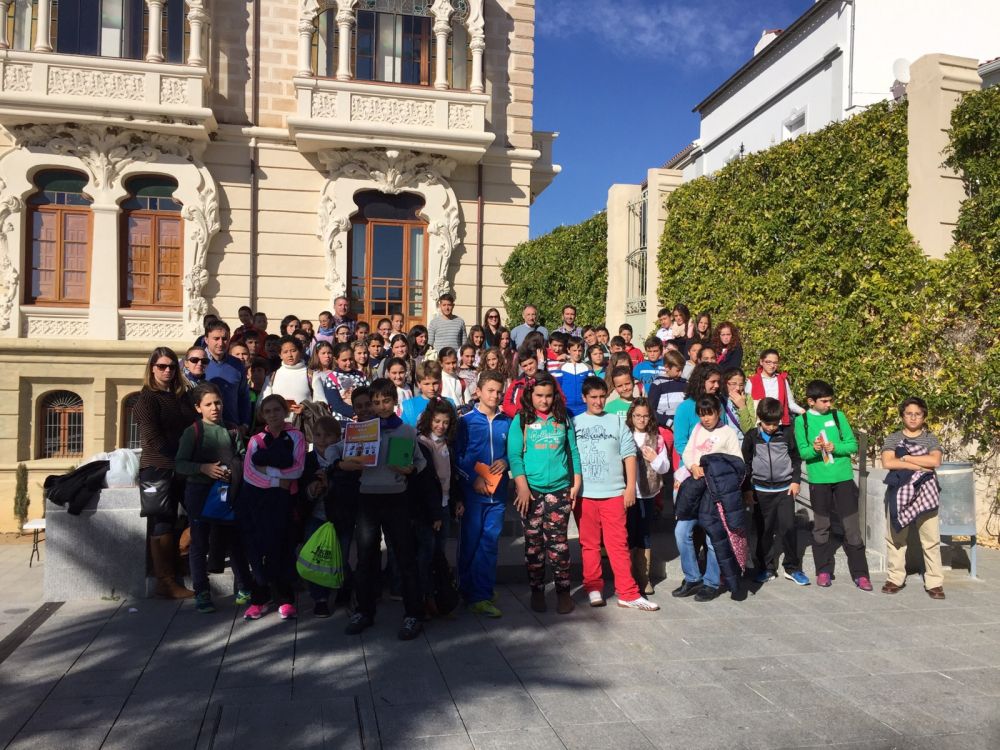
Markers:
936,85
4,42
442,11
154,47
306,30
104,272
660,184
476,25
345,21
619,197
197,20
43,41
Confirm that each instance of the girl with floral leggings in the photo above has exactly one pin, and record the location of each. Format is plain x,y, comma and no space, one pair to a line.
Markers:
545,465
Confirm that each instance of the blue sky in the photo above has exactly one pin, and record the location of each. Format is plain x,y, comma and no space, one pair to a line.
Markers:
618,78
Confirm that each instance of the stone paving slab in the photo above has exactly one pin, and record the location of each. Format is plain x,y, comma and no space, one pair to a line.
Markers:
789,667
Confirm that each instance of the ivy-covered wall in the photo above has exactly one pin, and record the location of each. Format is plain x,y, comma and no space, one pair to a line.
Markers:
567,266
806,246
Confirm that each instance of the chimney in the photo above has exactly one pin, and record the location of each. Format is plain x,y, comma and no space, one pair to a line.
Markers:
768,36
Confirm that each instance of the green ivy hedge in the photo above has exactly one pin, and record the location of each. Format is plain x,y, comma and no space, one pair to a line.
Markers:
968,294
569,265
805,246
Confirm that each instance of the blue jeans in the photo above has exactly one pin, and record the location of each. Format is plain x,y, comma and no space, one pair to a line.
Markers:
684,536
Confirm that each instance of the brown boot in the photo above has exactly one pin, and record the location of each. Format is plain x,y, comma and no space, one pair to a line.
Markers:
639,570
648,590
564,603
538,601
161,549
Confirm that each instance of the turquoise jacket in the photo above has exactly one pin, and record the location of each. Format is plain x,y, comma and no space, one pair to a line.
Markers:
549,459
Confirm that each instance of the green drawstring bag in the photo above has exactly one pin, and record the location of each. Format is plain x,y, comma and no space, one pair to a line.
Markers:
320,560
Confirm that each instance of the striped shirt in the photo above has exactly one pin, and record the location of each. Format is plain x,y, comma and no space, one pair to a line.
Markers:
442,332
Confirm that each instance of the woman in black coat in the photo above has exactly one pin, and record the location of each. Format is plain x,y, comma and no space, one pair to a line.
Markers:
162,412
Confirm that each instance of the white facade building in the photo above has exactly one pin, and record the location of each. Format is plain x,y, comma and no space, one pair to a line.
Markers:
839,57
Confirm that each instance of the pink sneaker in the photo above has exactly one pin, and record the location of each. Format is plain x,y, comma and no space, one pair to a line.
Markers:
825,580
255,612
287,612
863,583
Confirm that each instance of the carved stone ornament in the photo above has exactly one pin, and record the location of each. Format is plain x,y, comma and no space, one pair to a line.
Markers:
392,171
203,223
324,105
9,277
389,171
173,90
459,117
104,151
392,111
152,330
17,78
99,84
56,327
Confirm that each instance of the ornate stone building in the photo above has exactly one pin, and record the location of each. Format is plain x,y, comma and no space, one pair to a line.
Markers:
160,159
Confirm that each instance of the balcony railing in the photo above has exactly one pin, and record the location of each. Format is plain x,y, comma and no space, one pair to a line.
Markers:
43,85
352,114
338,110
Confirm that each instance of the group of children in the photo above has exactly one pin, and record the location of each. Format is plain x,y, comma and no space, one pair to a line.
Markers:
727,449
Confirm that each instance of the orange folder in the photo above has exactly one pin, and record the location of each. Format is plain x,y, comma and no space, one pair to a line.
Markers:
492,480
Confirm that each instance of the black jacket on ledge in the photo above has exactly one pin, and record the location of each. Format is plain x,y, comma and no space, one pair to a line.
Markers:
77,488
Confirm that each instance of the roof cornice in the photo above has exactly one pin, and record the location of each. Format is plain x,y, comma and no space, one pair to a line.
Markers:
782,40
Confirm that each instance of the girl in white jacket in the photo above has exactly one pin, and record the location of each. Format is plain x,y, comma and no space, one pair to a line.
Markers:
291,380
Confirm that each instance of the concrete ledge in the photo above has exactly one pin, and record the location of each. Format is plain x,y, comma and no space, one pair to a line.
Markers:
99,554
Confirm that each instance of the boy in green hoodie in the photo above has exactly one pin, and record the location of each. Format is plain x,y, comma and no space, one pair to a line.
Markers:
826,443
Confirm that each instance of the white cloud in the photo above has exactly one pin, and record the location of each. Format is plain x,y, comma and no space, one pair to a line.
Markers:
696,32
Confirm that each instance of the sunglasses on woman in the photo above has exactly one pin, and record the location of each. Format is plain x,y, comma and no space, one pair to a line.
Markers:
198,360
163,368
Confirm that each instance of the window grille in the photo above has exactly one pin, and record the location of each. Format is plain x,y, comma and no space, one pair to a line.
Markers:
62,424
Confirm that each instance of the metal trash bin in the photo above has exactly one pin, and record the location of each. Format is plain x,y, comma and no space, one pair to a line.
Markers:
958,505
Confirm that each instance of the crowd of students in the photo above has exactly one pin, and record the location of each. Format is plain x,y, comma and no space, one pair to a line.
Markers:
568,422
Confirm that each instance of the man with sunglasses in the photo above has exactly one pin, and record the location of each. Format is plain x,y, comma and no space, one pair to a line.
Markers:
228,374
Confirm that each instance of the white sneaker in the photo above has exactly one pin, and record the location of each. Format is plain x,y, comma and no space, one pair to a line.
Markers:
596,600
641,603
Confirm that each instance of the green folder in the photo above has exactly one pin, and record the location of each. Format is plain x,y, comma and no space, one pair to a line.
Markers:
400,452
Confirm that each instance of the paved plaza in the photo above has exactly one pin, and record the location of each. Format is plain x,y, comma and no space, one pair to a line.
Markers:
790,667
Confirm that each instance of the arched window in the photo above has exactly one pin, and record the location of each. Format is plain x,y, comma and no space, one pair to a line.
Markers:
394,41
152,245
106,28
130,428
388,256
59,250
61,418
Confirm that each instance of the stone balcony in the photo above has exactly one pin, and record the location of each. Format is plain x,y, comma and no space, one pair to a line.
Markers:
352,114
544,171
44,87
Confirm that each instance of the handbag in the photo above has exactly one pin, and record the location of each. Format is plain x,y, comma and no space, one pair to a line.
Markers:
155,496
320,560
218,508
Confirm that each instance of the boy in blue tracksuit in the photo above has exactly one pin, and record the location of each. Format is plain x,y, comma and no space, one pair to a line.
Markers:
482,438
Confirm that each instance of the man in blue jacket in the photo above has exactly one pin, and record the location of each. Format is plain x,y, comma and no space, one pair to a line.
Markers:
229,375
482,438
